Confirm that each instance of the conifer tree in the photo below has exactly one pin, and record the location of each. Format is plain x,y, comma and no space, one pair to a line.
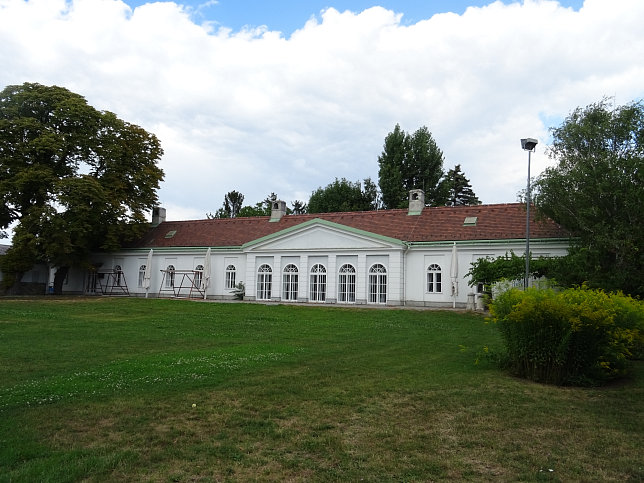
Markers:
410,161
458,188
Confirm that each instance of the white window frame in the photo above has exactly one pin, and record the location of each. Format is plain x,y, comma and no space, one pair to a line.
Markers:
118,272
264,282
347,284
377,284
434,279
290,282
141,275
198,276
231,277
169,276
317,285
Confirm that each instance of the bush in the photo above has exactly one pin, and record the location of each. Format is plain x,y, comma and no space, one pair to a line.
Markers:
573,337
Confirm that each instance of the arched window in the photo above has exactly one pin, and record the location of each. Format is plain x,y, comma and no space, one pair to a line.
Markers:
434,279
118,274
377,284
290,282
318,283
231,276
141,275
169,276
264,282
347,284
198,275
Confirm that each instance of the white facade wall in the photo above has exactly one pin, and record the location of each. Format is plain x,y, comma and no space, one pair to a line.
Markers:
418,260
330,246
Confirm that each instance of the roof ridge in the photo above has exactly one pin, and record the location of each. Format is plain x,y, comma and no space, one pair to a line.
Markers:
343,213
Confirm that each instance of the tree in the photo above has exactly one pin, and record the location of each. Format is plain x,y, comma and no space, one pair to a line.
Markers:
410,162
299,207
258,210
262,208
233,201
343,195
458,188
390,173
232,207
424,167
73,179
596,192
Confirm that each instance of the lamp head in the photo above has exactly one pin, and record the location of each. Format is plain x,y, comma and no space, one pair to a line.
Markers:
528,144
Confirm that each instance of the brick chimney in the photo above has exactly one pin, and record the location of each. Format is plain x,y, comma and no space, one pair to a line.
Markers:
416,202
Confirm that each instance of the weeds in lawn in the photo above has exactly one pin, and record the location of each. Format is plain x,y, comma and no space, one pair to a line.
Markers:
160,390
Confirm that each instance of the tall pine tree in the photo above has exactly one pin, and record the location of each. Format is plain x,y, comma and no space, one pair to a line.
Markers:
458,188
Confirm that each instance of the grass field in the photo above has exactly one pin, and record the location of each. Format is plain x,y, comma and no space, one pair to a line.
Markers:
168,390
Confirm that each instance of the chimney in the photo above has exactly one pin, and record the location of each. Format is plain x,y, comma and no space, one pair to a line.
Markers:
278,210
158,215
416,202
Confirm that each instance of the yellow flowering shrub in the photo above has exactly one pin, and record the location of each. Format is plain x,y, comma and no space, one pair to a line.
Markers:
575,336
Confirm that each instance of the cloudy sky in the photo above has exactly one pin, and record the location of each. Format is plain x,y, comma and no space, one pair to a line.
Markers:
284,96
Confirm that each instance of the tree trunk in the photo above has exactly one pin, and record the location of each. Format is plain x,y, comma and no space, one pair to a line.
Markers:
59,278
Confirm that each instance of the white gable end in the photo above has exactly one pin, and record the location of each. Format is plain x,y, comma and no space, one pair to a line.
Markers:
321,237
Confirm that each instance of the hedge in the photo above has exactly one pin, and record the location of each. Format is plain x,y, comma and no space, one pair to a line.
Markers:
573,337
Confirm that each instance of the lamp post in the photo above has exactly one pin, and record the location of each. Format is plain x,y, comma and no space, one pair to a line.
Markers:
527,144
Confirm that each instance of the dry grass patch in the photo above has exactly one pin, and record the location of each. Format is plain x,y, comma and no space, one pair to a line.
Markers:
289,394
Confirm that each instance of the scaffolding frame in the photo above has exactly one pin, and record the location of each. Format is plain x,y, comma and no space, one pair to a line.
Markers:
109,282
189,285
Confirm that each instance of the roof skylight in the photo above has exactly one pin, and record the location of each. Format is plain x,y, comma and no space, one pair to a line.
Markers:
470,220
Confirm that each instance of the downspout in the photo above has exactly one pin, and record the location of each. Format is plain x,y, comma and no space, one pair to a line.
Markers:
404,276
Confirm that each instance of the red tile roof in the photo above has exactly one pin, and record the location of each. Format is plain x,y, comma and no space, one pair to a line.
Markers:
494,222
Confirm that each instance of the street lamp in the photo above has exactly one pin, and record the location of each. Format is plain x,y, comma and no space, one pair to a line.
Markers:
527,144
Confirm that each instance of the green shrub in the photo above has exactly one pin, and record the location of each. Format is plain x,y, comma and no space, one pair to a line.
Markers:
573,337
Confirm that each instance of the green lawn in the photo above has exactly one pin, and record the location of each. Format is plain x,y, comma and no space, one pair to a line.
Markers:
171,390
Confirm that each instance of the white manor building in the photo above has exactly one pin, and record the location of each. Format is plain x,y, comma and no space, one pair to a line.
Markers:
414,257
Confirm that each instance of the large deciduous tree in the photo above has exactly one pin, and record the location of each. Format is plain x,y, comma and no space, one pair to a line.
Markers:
343,195
410,162
596,192
73,179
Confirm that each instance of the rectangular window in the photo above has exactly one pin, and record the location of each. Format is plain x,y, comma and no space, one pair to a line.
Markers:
318,283
264,284
347,287
373,289
377,288
318,288
434,279
290,286
230,279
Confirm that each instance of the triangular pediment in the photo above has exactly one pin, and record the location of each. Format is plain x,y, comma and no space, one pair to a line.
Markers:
322,235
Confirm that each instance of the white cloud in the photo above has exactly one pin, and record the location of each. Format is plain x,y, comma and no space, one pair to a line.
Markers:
260,113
